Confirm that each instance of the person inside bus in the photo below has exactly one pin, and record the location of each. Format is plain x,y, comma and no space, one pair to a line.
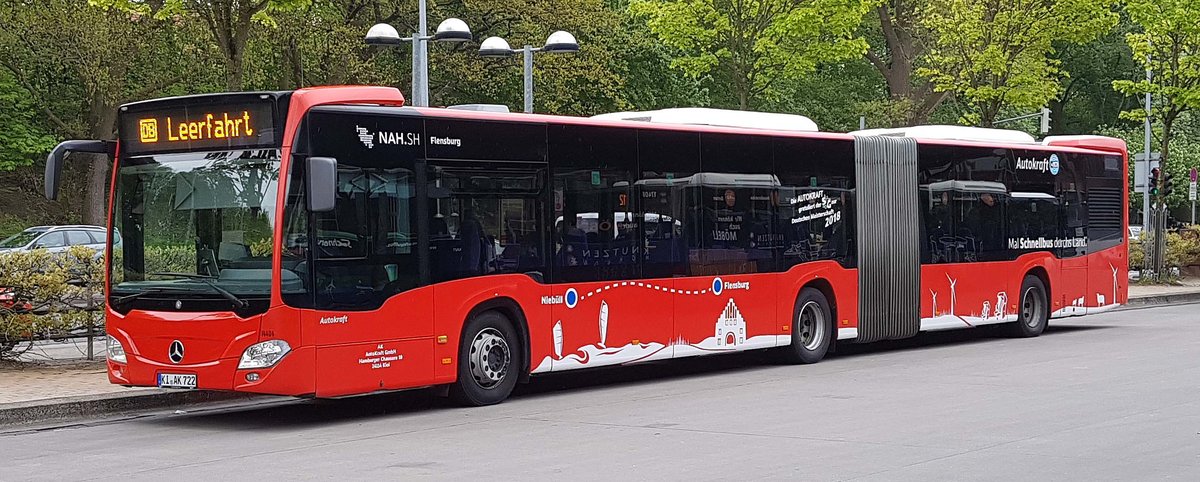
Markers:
473,239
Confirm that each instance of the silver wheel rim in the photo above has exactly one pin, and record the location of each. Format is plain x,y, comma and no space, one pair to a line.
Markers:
1031,307
810,325
489,358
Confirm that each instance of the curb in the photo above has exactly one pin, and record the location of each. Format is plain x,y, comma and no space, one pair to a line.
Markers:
95,406
1164,299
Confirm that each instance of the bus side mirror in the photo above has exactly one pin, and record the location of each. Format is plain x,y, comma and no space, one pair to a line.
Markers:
54,161
322,184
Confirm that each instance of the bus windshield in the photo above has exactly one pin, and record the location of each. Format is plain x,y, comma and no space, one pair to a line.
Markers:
196,222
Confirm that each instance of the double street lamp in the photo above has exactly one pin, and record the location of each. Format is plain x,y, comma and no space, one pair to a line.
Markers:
557,42
450,30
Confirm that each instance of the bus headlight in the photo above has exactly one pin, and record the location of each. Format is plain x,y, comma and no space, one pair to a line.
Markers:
264,355
114,350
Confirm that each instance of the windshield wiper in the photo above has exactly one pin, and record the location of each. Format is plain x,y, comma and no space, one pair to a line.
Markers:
148,291
208,280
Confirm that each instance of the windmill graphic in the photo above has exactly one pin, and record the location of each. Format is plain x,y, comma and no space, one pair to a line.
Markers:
1114,275
934,294
953,295
603,323
558,339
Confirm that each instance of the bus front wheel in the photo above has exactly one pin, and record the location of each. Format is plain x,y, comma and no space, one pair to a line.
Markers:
812,331
1033,313
488,361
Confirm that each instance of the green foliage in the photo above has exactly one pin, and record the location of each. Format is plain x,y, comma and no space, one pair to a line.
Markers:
1088,100
22,137
50,294
995,54
756,43
1169,45
170,259
1183,248
1185,155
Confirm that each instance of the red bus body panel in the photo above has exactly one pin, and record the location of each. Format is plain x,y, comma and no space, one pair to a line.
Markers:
413,339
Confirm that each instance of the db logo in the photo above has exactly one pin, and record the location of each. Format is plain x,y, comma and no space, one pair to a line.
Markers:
148,128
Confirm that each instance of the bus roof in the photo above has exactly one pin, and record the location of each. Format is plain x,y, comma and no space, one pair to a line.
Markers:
719,118
383,100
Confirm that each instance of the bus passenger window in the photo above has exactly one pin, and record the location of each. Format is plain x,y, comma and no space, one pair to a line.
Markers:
485,220
595,226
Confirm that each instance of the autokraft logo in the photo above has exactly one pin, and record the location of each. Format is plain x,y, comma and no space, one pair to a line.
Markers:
1051,164
334,320
175,352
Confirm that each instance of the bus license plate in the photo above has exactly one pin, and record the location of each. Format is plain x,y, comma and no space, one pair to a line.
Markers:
175,380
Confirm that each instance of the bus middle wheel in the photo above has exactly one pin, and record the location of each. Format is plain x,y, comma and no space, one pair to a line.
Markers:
812,328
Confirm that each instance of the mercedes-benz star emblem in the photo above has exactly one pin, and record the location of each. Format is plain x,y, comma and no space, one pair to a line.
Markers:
175,353
178,304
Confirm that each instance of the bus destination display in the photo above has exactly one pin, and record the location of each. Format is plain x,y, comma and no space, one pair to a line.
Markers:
198,128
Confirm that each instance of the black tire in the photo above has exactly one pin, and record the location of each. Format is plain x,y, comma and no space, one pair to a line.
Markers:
489,361
812,329
1033,312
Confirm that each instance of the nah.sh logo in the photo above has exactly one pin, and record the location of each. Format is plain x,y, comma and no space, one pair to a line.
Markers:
364,135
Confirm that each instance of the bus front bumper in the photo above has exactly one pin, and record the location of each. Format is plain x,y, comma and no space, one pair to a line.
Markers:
292,375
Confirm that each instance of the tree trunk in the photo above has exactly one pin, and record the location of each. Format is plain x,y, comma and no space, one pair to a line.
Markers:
233,69
898,22
103,119
1167,121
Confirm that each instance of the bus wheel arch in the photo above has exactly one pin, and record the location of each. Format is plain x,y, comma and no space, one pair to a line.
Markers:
489,366
510,309
826,288
1041,273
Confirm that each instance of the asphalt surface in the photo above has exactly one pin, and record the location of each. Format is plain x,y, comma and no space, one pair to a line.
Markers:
1106,397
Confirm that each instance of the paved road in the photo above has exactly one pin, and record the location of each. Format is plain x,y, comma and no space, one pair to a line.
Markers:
1107,397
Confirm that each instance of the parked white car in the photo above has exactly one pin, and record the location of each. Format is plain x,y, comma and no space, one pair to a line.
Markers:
56,238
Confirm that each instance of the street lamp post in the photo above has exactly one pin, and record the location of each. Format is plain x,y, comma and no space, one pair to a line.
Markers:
557,42
450,30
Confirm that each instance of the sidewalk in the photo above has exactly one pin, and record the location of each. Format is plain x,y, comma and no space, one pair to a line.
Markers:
27,382
1141,295
54,381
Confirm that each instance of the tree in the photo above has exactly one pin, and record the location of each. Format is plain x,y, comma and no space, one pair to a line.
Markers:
1169,46
77,63
1087,100
753,44
898,45
589,82
228,22
22,138
996,54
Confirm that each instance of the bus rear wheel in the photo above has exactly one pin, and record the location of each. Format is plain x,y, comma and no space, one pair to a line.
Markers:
812,331
489,357
1033,313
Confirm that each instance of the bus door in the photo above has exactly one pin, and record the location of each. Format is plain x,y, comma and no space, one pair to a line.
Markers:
371,320
1070,293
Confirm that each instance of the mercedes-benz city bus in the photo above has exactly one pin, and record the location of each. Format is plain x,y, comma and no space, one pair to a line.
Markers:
330,241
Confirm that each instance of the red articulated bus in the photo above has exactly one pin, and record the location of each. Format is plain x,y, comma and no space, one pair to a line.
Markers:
330,241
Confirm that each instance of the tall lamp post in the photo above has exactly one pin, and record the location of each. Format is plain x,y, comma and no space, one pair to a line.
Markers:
557,42
450,30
